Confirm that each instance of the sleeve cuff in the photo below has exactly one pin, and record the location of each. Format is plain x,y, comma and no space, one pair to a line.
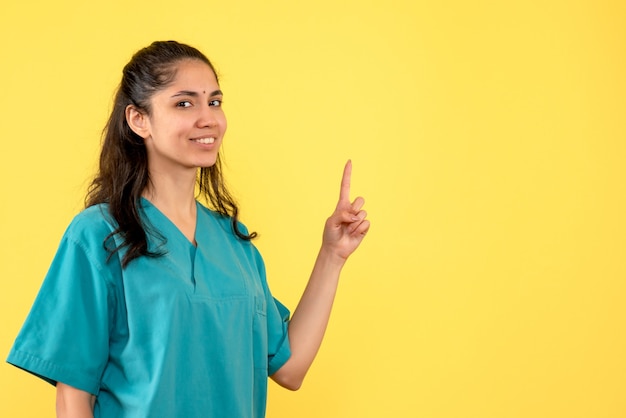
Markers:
51,372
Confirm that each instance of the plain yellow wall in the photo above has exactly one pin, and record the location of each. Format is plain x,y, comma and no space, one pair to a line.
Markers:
489,139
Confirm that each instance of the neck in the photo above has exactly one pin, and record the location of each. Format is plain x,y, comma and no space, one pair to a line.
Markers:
173,193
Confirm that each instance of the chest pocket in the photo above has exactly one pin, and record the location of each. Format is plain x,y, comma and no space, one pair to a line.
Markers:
221,275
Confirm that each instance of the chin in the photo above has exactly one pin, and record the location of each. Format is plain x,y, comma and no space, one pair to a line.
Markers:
206,164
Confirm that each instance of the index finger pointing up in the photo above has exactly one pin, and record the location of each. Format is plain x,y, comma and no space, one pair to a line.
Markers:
344,193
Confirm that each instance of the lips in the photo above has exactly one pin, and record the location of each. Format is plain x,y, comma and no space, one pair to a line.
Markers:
206,140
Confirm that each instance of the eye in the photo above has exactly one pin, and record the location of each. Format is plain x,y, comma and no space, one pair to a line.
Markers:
184,103
216,103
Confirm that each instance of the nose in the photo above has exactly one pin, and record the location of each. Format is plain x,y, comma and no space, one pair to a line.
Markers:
207,117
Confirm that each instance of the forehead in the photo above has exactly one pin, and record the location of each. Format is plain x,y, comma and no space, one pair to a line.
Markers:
194,75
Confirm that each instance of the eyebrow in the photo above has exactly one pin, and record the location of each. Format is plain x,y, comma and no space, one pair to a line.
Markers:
196,94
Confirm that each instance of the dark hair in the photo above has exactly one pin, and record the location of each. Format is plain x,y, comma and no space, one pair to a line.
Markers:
123,172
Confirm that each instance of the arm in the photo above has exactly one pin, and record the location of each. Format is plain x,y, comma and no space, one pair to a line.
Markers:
343,232
74,403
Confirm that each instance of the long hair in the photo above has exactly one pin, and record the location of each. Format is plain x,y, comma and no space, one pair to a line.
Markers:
123,171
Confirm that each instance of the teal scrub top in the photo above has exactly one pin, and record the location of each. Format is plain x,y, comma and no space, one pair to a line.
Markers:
192,333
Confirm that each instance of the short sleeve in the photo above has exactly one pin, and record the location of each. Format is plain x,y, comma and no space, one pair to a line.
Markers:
278,337
65,336
279,350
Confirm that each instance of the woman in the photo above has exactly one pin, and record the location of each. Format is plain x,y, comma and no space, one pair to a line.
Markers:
155,305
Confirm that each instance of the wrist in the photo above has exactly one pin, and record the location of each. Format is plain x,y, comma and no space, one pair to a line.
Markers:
331,258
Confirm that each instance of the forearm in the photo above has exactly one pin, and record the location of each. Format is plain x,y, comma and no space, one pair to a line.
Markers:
73,403
310,319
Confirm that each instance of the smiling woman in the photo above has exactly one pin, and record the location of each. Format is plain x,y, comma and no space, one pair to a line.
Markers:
155,305
186,125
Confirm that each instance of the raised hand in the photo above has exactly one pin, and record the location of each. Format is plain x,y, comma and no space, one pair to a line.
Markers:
347,226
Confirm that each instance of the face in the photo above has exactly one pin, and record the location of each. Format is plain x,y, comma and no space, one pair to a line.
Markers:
187,124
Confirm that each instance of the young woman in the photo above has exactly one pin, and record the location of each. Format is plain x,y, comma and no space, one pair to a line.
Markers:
155,305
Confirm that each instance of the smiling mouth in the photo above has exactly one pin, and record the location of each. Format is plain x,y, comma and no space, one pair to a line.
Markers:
208,140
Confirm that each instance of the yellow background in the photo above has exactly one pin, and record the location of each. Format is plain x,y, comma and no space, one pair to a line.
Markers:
489,139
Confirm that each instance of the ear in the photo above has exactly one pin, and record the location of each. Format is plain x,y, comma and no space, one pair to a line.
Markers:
138,121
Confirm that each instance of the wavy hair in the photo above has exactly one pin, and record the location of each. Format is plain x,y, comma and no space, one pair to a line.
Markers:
123,168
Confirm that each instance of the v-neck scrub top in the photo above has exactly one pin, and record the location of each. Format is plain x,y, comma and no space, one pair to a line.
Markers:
192,333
